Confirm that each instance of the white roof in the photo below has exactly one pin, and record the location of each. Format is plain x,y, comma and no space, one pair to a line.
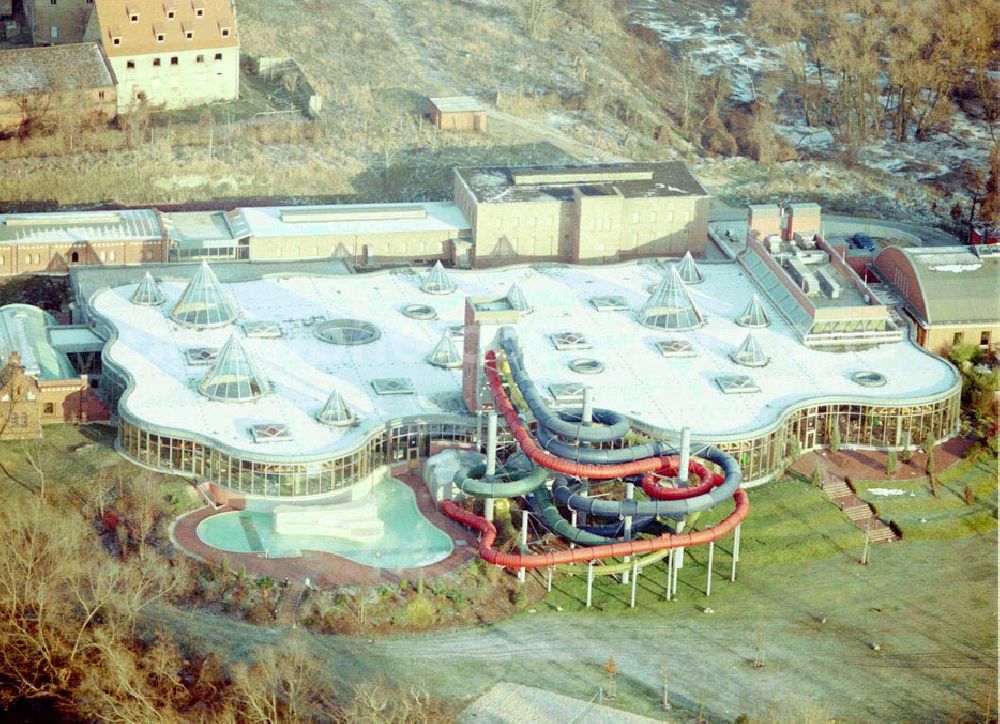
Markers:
458,104
346,219
70,226
637,380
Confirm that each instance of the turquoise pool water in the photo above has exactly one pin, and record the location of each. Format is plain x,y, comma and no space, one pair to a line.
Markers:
409,541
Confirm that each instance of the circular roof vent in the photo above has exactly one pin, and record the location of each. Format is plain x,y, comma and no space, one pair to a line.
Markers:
868,378
346,332
586,366
419,311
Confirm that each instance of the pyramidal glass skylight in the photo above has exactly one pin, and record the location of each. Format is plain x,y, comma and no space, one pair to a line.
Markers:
236,376
749,353
437,282
689,271
445,354
670,306
336,412
148,292
517,301
204,303
754,315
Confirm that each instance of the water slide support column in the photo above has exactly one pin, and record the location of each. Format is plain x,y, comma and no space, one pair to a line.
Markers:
524,543
682,467
491,459
588,406
635,577
629,495
590,582
736,552
708,579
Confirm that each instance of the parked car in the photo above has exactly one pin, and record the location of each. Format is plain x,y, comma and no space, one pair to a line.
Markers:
861,240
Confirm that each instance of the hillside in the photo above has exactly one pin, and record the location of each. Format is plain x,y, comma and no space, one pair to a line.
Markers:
569,79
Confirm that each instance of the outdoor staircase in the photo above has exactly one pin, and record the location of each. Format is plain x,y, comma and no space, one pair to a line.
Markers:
291,597
858,511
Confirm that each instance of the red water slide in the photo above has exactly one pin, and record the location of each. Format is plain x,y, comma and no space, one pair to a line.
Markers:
663,464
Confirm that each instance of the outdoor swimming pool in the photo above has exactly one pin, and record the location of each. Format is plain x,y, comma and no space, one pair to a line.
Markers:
409,541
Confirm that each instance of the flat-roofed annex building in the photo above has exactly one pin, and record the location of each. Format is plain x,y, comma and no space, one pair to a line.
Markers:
952,293
582,214
40,86
457,113
174,53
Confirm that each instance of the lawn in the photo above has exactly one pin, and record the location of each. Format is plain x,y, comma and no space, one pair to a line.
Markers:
921,516
790,521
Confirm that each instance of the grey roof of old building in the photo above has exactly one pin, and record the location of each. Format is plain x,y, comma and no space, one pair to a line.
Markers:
76,66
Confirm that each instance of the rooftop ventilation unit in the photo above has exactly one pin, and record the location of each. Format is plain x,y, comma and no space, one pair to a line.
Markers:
335,412
803,277
204,303
326,214
564,341
566,393
829,286
445,354
262,330
437,282
610,304
201,355
270,432
749,353
670,306
754,315
148,293
736,384
676,348
393,386
236,376
517,301
689,271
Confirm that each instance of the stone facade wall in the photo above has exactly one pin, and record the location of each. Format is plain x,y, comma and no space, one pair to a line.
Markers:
197,76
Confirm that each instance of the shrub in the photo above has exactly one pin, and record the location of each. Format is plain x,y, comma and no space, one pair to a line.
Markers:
906,455
891,463
969,495
420,612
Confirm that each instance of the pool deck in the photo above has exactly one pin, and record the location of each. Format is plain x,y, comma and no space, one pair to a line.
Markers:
326,570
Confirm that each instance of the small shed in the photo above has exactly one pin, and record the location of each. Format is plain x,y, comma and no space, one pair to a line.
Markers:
457,113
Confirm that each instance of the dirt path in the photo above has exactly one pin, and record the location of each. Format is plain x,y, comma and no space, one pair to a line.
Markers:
929,606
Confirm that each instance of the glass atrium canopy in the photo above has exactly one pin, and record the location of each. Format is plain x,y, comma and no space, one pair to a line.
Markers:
437,282
336,412
749,353
754,315
445,354
689,271
148,293
204,303
670,306
236,376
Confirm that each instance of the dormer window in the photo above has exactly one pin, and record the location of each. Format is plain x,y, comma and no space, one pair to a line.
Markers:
225,32
168,9
133,17
199,8
159,37
170,14
188,33
116,40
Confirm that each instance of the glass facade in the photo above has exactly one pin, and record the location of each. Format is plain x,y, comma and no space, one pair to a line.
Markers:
861,426
398,442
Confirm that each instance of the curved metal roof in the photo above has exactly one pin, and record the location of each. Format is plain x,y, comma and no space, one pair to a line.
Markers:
24,328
